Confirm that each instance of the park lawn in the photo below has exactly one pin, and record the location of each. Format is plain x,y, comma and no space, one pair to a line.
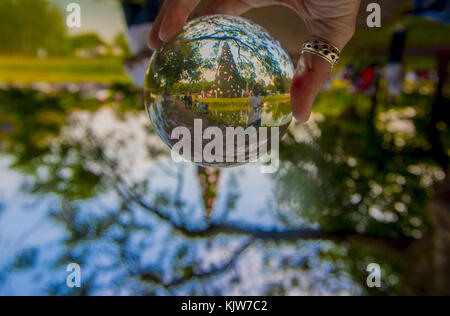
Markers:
270,99
27,70
241,104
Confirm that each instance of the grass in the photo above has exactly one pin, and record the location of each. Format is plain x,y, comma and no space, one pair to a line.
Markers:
237,104
53,70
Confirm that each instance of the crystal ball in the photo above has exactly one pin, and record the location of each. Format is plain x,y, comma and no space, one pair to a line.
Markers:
218,94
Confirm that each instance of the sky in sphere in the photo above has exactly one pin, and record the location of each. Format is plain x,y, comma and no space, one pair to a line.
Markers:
103,17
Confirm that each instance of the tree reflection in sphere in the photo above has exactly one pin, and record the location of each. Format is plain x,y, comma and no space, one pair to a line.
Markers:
221,74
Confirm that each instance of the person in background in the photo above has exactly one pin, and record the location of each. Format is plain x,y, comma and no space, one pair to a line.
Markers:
139,19
394,69
366,79
435,9
190,100
256,105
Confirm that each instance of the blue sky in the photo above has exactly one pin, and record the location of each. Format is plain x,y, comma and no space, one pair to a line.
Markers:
27,231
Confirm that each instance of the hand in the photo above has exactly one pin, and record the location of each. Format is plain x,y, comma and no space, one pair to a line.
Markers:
331,20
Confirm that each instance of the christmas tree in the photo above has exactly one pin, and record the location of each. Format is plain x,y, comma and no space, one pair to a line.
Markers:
228,82
209,179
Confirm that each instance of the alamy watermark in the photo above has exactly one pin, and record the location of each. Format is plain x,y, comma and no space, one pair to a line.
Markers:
374,18
374,278
235,145
74,15
73,19
73,280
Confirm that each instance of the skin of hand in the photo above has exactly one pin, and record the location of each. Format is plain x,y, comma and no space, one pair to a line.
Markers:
330,20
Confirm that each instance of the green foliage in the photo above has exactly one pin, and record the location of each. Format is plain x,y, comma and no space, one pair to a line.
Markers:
195,87
29,25
26,259
37,120
61,69
174,63
369,173
88,41
121,41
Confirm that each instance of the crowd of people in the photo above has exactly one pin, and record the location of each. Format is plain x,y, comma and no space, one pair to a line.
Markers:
250,116
366,80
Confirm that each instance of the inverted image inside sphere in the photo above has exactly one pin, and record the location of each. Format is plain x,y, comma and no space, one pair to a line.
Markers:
219,92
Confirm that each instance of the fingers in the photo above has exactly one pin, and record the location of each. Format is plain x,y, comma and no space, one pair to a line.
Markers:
236,7
154,41
170,21
332,21
312,72
175,17
231,7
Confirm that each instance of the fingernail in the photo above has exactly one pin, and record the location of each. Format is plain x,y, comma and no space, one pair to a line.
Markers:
302,118
154,42
151,46
164,36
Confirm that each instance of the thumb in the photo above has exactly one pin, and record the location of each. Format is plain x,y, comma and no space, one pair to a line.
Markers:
312,72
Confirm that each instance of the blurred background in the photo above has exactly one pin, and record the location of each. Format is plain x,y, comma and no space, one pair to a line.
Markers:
85,179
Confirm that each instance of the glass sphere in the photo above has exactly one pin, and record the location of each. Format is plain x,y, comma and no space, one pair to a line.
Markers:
222,78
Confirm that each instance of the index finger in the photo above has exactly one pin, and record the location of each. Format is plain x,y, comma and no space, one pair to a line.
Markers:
171,20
